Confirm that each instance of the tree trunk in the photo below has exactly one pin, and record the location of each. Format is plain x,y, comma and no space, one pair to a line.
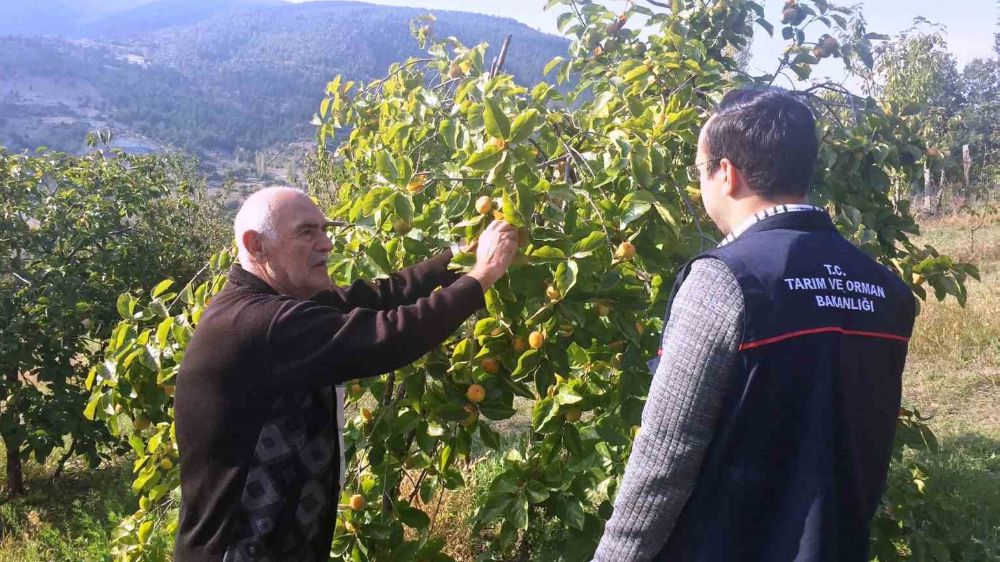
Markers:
928,187
15,476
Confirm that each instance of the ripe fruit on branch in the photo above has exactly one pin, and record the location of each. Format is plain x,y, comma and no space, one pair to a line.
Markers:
366,414
490,365
357,502
933,153
602,309
827,46
484,205
573,415
417,184
552,293
499,144
520,345
625,251
792,14
475,393
536,339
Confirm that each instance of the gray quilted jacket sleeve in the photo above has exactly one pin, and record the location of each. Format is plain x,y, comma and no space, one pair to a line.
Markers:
700,346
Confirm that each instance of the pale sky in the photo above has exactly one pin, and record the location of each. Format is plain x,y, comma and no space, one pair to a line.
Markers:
970,23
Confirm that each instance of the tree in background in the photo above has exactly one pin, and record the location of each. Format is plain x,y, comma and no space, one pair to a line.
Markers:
75,232
917,76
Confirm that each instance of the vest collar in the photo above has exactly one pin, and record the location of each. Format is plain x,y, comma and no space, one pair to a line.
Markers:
240,276
802,220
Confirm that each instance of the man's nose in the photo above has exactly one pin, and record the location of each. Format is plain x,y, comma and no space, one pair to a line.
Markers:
325,244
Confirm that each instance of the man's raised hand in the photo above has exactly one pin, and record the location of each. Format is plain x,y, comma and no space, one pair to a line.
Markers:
494,252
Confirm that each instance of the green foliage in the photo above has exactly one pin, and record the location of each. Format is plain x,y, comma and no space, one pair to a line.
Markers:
133,394
74,233
580,174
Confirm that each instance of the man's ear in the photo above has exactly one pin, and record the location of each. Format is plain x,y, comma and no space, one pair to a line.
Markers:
254,243
730,179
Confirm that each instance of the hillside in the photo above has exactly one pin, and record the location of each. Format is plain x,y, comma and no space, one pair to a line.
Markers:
226,75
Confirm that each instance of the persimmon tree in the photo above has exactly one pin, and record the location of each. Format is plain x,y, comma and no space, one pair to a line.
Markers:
591,169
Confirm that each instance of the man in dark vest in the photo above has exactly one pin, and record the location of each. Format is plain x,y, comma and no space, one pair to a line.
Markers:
256,409
768,428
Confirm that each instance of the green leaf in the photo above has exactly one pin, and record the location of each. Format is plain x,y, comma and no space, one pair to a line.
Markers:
160,288
376,251
497,124
414,518
510,211
490,438
638,160
572,512
565,278
588,244
485,158
636,205
386,166
524,125
517,512
526,363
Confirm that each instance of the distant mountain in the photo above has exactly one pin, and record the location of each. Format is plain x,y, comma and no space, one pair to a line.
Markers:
220,75
162,14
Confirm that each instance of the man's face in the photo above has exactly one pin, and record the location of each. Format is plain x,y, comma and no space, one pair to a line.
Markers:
712,185
296,258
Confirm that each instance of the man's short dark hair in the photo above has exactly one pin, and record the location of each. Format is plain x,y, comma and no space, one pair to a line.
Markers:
770,135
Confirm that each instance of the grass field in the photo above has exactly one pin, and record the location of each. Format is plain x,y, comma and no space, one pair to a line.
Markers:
953,375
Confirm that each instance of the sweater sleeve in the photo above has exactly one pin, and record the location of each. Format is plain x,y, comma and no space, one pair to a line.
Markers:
700,345
309,344
401,288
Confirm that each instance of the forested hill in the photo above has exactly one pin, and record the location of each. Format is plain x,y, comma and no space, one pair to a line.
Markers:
248,74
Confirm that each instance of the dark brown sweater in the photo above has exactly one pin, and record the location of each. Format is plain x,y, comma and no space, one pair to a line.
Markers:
255,411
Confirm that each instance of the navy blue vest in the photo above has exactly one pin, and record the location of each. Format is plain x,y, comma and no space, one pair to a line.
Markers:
799,458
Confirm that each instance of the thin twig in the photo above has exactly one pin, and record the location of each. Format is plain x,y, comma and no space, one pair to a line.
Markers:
498,63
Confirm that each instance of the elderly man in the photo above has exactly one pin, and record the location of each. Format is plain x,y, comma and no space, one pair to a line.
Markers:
768,429
255,411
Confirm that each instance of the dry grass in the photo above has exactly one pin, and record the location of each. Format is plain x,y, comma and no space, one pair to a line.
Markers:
954,365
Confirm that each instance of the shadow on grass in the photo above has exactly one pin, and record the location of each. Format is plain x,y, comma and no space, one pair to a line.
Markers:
965,475
69,518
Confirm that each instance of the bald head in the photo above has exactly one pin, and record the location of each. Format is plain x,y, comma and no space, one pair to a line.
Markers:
281,239
258,214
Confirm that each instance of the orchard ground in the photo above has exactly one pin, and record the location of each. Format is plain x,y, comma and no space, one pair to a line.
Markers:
953,375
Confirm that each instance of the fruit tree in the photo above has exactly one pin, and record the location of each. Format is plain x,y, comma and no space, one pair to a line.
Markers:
592,169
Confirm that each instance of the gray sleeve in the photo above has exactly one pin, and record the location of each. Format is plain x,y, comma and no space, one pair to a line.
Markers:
700,345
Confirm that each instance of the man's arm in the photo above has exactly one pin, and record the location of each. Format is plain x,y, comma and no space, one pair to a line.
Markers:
700,345
401,288
313,345
309,344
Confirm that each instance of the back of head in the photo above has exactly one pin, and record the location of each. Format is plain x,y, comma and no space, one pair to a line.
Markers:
770,135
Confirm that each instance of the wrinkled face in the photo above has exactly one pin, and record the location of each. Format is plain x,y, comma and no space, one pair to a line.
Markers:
712,185
296,257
